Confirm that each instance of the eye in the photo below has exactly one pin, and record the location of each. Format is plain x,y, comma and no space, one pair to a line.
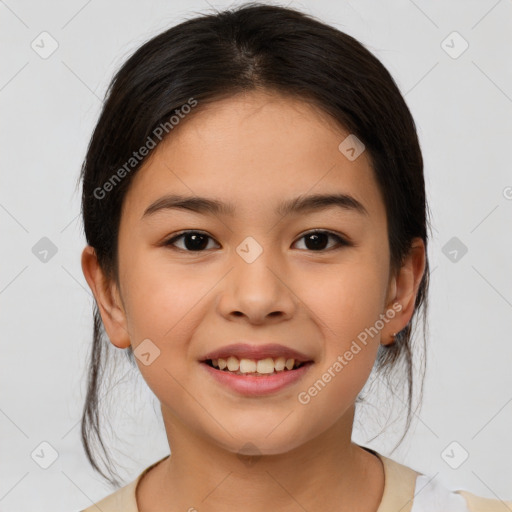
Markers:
315,240
194,241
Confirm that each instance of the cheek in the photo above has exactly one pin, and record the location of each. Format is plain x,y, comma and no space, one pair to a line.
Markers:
348,299
164,306
346,307
161,297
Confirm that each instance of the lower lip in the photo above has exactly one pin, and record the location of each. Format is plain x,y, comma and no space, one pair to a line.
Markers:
249,385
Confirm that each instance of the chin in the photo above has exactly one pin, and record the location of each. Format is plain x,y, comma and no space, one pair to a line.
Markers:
258,441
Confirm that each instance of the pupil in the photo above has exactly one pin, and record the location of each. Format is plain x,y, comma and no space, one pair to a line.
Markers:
315,238
199,241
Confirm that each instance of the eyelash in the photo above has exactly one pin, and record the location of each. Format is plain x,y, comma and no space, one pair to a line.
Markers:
341,241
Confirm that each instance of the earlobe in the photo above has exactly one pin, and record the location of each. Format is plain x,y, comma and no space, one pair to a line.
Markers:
403,291
107,298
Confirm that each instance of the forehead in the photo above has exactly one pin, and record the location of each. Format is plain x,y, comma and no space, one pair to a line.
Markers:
254,149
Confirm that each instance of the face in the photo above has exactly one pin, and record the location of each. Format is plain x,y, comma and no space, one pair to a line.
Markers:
256,275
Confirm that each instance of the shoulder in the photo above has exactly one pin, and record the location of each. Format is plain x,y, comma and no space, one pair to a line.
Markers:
479,504
409,490
123,499
431,492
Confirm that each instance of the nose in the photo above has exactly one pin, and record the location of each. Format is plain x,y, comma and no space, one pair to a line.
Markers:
258,291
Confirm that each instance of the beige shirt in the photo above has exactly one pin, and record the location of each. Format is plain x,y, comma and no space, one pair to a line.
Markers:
401,485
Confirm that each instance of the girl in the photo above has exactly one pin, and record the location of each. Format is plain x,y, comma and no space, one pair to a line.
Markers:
228,148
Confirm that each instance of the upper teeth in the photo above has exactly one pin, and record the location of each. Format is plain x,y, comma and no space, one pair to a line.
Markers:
267,365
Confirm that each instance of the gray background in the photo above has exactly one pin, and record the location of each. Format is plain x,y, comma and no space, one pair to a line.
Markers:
462,105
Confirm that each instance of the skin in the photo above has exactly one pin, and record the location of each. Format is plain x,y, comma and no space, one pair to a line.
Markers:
256,150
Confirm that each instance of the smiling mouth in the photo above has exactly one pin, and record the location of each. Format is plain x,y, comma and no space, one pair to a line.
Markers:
253,367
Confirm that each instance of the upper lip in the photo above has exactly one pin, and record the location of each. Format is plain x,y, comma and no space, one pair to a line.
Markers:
247,351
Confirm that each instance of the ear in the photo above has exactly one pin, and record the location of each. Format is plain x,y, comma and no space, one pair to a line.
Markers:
402,291
108,299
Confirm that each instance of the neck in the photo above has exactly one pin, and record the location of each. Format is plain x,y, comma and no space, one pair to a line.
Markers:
328,472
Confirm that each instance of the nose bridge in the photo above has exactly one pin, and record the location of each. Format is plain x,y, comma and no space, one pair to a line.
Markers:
254,261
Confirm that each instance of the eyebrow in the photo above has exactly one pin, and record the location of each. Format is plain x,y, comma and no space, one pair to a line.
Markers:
301,204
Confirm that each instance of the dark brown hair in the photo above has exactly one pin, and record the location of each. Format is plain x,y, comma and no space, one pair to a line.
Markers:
217,55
